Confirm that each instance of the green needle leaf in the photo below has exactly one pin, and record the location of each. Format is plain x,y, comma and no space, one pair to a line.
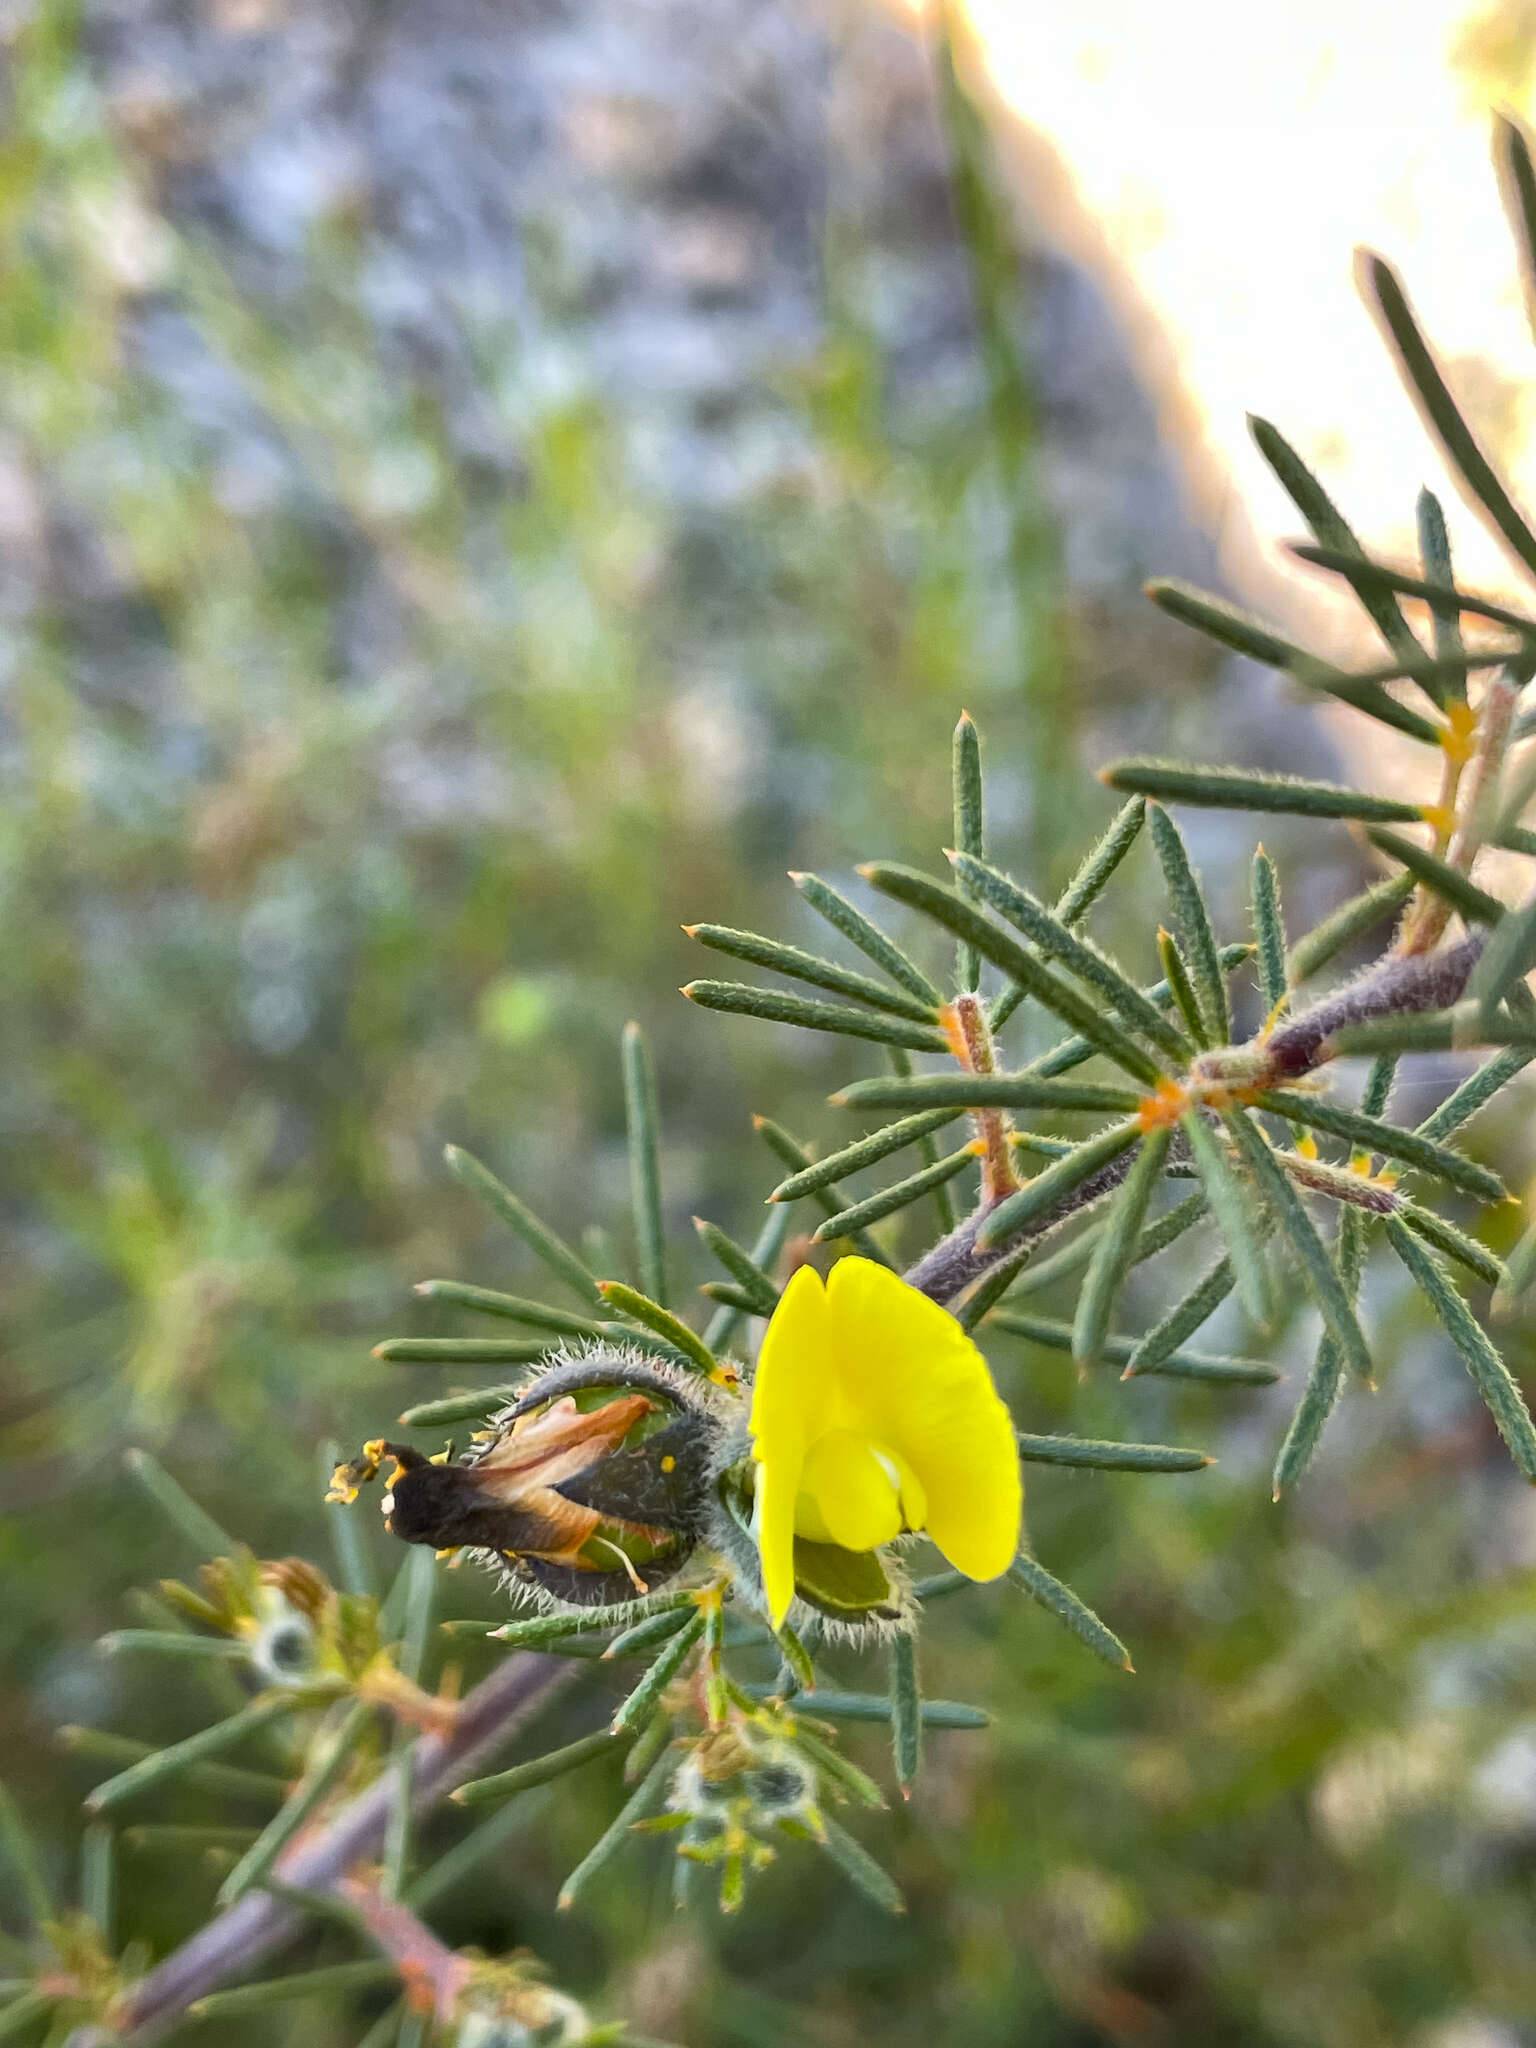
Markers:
542,1629
471,1407
1455,1030
643,1124
860,1868
1317,1268
1242,1230
1088,884
1342,926
1385,298
1508,957
635,1808
1376,575
1459,890
1268,929
769,1242
1476,1091
983,1091
1116,1250
539,1770
1178,1365
1321,1392
16,1844
1098,1456
1332,530
166,1642
538,1237
906,1710
179,1508
641,1309
1182,1320
740,1263
1039,1196
1181,990
868,937
1165,1231
333,1979
165,1763
1232,628
969,835
1519,1274
1235,789
1517,189
635,1711
1196,938
779,1007
862,1152
1505,1402
1061,1601
1371,1134
901,1195
461,1350
873,1706
1074,1051
1075,1010
228,1780
1435,553
827,1199
1455,1243
808,967
1037,924
487,1301
328,1761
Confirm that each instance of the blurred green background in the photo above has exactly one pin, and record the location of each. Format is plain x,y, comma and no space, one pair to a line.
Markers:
478,489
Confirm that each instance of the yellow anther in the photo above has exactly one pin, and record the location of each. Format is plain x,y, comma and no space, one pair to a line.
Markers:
1306,1145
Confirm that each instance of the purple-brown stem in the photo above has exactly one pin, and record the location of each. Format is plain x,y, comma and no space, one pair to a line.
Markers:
497,1709
1399,987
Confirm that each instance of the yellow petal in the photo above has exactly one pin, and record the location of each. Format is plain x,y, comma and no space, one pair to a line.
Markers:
908,1378
852,1493
794,1362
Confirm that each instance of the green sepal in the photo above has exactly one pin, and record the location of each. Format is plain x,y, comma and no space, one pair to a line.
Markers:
838,1582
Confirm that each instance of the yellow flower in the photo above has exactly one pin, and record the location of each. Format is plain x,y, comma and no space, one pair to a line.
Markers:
873,1412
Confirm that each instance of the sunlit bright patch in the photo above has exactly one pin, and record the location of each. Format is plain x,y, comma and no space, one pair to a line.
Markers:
873,1413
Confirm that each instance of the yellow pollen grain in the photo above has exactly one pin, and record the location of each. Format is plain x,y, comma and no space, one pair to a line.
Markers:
669,1463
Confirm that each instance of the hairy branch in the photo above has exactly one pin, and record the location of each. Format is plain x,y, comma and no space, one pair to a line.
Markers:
1399,986
259,1923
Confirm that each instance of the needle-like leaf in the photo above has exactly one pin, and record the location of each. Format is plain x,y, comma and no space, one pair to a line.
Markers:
780,1006
1116,1250
1238,789
1196,938
1076,1010
1484,491
868,937
809,967
1505,1402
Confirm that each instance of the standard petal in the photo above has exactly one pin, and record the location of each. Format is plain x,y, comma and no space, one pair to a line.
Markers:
913,1379
794,1367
